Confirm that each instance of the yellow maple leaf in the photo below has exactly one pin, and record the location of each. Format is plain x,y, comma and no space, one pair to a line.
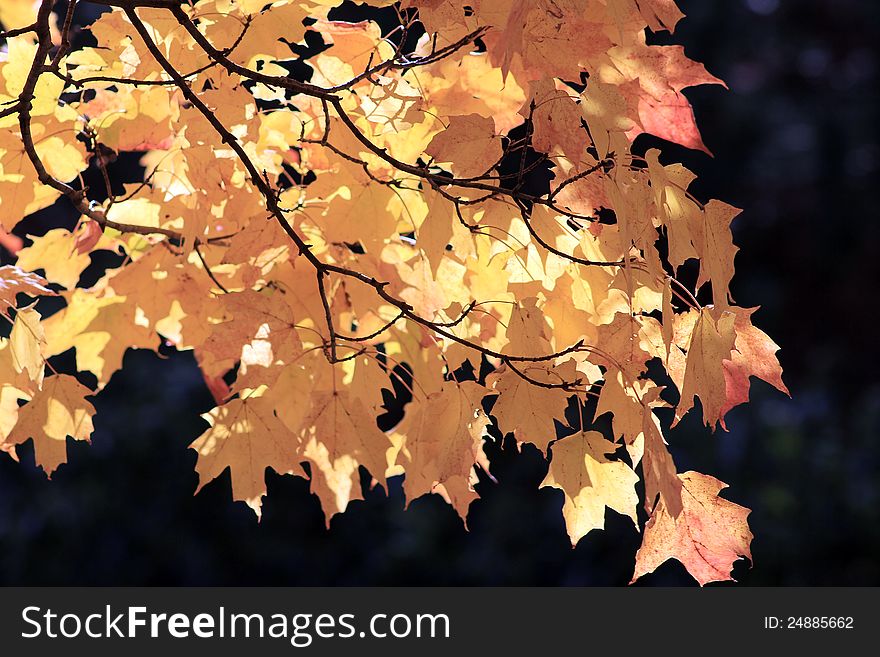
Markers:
57,411
56,254
469,144
247,437
344,426
580,467
528,410
716,249
26,343
443,440
710,345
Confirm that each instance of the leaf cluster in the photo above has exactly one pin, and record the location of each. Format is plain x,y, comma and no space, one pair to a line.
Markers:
329,212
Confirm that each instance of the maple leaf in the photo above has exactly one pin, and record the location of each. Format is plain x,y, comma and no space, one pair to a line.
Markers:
528,410
715,247
660,14
754,355
345,427
662,72
15,70
58,410
557,120
610,115
26,343
357,201
9,405
471,84
622,338
138,121
628,404
15,281
681,216
435,232
711,343
336,482
247,437
707,538
90,323
254,328
580,467
20,191
57,254
355,46
469,143
443,441
268,33
661,481
562,36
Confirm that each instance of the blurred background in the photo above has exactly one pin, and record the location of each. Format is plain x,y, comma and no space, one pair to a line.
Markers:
796,145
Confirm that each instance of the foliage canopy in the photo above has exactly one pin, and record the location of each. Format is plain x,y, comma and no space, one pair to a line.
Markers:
329,212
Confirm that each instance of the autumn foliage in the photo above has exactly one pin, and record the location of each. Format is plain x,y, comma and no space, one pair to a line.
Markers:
331,210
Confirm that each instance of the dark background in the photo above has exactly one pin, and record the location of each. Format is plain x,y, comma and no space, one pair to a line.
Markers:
796,146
